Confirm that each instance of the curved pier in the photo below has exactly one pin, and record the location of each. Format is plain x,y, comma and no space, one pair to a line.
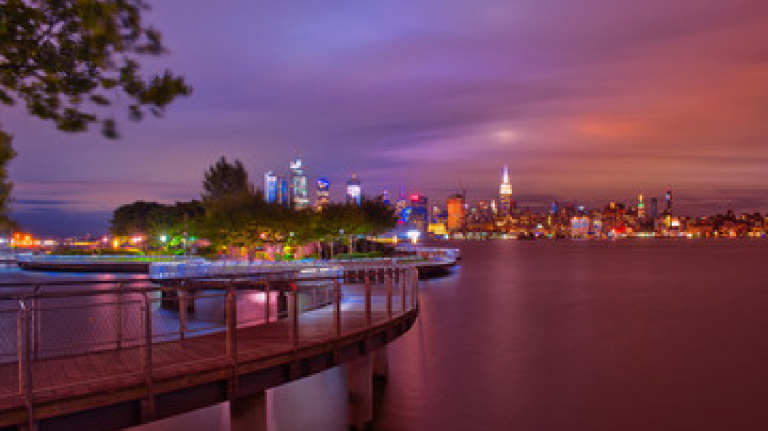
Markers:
141,363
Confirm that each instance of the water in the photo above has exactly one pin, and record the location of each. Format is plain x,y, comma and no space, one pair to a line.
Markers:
566,335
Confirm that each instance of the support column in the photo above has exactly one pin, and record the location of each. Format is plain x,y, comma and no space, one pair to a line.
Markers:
248,413
381,363
360,390
282,304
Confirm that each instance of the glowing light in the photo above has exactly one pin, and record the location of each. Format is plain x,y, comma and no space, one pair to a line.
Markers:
413,235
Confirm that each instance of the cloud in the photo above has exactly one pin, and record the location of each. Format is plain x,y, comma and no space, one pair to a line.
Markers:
585,99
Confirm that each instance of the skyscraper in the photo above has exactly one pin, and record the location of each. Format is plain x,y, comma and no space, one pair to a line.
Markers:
654,208
354,191
419,212
454,206
322,194
283,192
270,187
299,193
640,206
505,194
668,197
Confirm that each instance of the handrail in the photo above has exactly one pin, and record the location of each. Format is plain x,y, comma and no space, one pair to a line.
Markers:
142,332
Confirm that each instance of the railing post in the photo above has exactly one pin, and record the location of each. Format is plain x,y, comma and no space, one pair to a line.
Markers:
146,363
293,313
36,323
231,321
403,282
367,299
266,301
415,288
231,337
24,341
389,292
337,306
119,317
182,297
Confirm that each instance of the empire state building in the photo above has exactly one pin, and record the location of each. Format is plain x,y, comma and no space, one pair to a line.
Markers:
505,194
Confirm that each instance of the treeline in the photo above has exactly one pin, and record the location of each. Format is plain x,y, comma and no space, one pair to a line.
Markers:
233,214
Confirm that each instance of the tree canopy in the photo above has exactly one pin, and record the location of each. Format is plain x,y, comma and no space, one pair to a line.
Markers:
66,61
6,153
153,219
225,179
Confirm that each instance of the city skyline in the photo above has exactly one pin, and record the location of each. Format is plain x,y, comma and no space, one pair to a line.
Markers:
625,100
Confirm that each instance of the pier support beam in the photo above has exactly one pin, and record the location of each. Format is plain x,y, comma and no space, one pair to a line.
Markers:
380,363
282,304
360,392
248,413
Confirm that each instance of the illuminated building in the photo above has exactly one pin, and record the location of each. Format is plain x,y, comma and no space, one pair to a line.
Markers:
640,206
276,189
654,208
668,197
270,187
400,206
454,206
580,226
354,191
385,197
322,194
299,193
505,194
283,192
419,212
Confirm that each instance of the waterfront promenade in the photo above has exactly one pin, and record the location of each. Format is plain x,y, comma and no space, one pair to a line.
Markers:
132,351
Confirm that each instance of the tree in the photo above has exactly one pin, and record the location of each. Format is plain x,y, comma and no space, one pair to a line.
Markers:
224,179
6,154
154,219
66,60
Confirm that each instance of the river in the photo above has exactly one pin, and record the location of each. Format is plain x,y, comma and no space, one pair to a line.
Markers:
566,335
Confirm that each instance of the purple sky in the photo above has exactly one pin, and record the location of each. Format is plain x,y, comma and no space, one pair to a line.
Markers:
586,100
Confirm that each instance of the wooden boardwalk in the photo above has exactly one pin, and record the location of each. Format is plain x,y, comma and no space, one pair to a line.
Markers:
90,381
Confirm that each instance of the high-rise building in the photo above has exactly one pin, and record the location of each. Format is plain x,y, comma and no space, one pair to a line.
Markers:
354,191
654,208
668,197
322,194
270,187
454,206
640,206
283,192
299,192
385,197
419,212
505,194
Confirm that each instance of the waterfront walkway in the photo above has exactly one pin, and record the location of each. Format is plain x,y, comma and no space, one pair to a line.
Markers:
316,324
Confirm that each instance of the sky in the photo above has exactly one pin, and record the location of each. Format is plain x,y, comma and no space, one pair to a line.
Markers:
585,100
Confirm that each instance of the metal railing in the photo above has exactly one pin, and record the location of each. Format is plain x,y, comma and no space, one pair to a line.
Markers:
63,258
67,337
205,268
443,253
